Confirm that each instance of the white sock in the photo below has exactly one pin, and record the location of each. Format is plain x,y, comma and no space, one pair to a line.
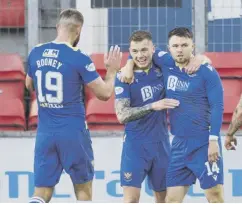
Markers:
84,201
36,199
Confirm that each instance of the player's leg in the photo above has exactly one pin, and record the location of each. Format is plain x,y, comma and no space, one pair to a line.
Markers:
176,194
47,168
209,174
159,196
133,171
42,195
83,191
157,174
131,194
215,194
179,177
76,156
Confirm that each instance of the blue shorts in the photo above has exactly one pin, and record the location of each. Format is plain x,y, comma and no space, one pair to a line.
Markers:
71,151
139,160
188,164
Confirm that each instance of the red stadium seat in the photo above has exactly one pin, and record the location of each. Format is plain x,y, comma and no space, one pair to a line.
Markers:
232,87
11,90
100,115
11,67
228,64
232,92
33,115
12,76
12,116
98,61
230,103
12,13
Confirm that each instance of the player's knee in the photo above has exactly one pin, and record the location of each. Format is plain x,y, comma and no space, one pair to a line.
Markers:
83,191
217,198
159,200
172,199
215,195
131,199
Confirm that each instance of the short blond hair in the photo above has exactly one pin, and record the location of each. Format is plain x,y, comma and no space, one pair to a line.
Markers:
140,35
71,18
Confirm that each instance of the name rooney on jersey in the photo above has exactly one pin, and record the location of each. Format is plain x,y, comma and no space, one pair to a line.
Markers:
48,62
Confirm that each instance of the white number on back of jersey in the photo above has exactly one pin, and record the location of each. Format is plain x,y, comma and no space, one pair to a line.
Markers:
58,87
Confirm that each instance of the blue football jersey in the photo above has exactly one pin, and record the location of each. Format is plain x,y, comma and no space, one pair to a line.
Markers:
147,88
201,98
59,72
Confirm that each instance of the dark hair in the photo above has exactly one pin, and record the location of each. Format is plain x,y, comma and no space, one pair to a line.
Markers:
140,35
181,32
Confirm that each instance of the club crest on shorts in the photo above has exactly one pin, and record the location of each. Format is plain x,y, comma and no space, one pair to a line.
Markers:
127,176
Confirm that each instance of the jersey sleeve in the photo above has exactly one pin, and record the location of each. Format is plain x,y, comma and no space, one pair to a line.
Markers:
214,90
162,58
121,89
87,69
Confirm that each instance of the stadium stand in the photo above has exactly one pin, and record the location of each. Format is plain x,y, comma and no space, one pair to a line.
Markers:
12,116
228,64
12,13
100,115
12,76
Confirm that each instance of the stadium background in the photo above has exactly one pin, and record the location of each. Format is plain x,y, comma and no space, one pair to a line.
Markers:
217,25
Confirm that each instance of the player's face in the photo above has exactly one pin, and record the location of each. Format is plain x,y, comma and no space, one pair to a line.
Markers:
181,48
142,52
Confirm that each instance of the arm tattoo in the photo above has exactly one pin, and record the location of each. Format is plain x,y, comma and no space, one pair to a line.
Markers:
236,122
125,113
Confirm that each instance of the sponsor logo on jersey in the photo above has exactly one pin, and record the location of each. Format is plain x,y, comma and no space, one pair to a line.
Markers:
148,91
175,84
50,53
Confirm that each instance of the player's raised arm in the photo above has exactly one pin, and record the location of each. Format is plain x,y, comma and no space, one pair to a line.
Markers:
103,89
196,62
214,91
161,58
127,72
